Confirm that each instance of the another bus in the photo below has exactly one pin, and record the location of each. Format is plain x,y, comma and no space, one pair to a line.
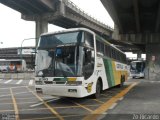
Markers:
77,63
12,65
137,69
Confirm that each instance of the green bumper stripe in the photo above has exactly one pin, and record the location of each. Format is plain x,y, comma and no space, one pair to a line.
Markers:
109,72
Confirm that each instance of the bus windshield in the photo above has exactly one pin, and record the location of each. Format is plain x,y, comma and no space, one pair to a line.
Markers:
137,66
58,62
58,55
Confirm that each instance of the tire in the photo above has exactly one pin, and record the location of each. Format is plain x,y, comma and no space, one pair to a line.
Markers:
98,89
122,81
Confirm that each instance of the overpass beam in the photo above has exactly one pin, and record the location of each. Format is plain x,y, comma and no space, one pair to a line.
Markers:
136,12
41,27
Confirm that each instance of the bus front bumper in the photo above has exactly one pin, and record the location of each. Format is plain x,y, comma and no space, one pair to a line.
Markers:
64,91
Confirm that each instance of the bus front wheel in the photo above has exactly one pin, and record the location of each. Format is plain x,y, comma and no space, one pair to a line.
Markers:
98,89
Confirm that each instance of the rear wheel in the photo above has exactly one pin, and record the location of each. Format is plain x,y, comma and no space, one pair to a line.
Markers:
122,81
98,90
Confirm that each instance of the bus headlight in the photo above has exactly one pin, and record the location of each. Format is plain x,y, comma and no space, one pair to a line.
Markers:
74,83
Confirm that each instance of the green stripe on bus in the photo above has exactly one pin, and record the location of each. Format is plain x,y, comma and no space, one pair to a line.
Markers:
109,72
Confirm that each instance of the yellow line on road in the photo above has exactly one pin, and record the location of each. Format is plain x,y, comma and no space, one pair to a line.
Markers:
104,107
3,111
98,101
34,109
15,105
82,106
54,107
49,107
108,96
25,103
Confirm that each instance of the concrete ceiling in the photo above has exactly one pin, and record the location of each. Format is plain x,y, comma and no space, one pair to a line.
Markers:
135,16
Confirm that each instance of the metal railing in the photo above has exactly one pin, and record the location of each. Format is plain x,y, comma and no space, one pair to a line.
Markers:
71,5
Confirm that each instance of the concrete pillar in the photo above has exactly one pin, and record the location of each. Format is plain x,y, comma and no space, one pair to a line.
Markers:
41,27
153,61
115,34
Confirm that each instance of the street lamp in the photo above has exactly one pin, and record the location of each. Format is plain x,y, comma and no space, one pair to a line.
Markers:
21,46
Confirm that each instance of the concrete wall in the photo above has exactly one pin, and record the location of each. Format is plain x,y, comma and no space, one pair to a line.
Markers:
153,61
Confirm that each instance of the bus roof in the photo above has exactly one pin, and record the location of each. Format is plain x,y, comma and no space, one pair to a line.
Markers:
68,30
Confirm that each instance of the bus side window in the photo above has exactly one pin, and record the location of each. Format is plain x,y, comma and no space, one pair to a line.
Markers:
98,46
89,39
88,63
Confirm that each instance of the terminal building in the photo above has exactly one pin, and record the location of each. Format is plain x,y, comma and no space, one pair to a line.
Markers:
26,53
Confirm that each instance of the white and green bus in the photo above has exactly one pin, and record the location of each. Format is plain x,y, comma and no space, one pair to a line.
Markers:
77,63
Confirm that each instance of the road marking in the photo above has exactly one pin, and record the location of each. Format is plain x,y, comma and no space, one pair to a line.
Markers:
121,98
75,106
102,116
15,105
38,104
113,106
104,107
8,81
98,101
49,107
81,106
15,94
33,109
13,87
30,82
24,102
19,82
108,96
4,111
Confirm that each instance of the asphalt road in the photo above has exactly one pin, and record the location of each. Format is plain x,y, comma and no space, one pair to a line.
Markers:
141,103
20,102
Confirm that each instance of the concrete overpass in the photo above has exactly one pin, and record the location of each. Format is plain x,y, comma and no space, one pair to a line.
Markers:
58,12
138,22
